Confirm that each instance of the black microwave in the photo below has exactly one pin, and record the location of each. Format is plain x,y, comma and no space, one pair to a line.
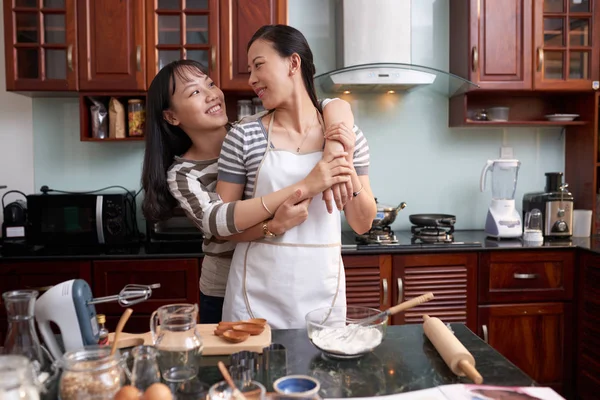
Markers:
80,219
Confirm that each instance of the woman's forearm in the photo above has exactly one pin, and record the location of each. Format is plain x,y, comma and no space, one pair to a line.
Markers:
361,211
253,233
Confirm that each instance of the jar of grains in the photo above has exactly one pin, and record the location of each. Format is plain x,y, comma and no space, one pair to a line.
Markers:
136,116
91,373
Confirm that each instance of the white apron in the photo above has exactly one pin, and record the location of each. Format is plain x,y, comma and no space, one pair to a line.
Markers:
283,278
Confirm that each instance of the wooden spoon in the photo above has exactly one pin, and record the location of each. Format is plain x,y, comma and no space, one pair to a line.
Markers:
120,325
235,336
237,395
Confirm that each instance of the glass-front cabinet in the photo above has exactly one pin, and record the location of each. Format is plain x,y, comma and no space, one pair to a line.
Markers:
182,29
41,51
566,44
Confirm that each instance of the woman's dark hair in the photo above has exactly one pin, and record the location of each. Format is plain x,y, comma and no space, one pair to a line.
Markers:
287,41
163,140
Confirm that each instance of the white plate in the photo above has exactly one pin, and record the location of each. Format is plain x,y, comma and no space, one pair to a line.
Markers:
561,117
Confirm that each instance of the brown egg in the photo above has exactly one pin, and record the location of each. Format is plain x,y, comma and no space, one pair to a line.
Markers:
157,391
128,393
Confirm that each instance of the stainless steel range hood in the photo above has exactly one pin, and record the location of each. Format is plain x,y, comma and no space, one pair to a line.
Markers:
373,52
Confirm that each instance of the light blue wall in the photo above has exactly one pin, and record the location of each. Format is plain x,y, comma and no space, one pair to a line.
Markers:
415,157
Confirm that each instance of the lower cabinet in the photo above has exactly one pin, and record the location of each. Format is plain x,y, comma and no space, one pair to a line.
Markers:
452,277
368,280
526,312
178,280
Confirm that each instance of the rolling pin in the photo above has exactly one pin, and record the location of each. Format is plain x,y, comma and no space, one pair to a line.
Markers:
456,356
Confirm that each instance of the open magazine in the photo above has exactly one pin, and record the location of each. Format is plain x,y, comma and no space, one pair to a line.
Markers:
476,392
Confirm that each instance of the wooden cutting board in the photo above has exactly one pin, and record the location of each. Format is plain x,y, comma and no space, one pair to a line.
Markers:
213,345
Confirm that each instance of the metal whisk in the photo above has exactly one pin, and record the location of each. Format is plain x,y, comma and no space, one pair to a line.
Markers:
131,294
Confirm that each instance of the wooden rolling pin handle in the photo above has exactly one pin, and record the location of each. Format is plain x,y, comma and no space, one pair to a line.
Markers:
410,303
470,372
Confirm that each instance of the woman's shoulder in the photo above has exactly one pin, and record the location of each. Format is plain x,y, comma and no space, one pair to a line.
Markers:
248,127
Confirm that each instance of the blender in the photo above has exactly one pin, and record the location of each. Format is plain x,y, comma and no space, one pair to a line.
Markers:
503,220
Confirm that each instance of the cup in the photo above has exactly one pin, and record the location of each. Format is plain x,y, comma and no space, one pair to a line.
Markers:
582,223
297,386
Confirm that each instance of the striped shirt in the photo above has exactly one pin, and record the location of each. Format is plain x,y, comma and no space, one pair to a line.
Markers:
246,144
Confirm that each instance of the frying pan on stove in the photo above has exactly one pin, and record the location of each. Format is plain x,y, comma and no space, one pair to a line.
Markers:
432,220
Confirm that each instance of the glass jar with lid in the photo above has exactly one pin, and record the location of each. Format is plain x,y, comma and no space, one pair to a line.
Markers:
91,373
136,117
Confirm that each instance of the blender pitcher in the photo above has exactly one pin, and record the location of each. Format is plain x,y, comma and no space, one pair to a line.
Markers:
503,220
177,342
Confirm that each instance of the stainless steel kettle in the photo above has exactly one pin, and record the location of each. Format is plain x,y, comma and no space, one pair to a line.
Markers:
386,215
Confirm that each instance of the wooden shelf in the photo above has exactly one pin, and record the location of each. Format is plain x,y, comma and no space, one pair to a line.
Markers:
127,139
525,123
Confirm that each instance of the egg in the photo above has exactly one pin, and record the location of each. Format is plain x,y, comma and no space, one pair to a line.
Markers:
128,393
157,391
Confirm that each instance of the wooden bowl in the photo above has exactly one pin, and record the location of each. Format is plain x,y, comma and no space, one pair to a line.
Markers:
220,331
252,329
257,321
227,324
235,336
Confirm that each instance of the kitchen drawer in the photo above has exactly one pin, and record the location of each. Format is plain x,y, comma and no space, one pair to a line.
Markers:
526,276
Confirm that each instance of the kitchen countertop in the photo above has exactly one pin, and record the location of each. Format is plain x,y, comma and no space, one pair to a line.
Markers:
404,362
138,251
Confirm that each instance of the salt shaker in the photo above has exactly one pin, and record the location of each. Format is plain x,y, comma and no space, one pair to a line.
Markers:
145,370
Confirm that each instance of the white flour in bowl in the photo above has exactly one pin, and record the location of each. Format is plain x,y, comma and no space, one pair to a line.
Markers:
351,339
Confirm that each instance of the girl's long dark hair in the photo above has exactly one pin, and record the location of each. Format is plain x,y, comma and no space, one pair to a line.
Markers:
163,140
287,41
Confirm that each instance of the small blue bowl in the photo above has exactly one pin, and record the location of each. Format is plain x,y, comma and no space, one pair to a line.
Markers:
297,386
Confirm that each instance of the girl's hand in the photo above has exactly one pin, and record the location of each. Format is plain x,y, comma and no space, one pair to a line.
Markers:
291,213
331,170
347,137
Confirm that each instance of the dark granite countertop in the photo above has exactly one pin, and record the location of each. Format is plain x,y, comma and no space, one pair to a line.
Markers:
404,362
474,240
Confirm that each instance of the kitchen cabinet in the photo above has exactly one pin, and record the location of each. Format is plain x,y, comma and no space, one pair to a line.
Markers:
40,45
452,277
526,44
526,312
178,279
588,328
239,20
368,280
179,29
111,45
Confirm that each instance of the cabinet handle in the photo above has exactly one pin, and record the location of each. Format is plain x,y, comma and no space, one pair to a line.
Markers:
474,59
400,290
138,57
213,59
384,283
485,333
70,57
540,60
517,275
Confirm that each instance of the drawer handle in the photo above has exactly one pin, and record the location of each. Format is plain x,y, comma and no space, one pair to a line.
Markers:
484,329
138,58
474,59
70,57
517,275
400,290
384,283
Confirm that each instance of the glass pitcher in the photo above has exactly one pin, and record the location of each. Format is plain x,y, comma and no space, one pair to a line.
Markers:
22,337
505,173
178,343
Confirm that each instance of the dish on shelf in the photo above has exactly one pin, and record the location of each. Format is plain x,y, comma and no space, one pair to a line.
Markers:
561,117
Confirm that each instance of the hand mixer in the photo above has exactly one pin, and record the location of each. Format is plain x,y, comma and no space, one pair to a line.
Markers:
70,306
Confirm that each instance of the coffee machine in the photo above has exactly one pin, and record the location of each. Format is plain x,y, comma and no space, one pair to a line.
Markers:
556,205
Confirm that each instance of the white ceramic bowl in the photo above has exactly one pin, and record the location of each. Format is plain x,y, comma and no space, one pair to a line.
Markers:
333,331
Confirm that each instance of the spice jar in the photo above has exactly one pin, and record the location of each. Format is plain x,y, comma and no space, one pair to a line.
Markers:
137,117
91,373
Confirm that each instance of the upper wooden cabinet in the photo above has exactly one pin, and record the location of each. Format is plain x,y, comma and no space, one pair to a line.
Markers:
525,44
183,29
111,45
40,45
239,20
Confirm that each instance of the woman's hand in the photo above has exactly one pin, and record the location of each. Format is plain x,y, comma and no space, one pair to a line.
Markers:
346,136
291,213
331,170
338,135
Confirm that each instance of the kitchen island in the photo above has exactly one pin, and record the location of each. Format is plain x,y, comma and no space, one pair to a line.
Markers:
406,361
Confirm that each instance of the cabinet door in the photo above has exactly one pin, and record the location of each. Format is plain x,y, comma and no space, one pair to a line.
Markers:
39,276
240,19
566,43
111,45
534,337
588,327
178,280
452,279
368,280
40,45
501,44
186,29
